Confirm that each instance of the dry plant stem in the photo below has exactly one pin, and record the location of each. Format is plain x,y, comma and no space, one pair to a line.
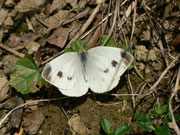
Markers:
28,103
46,61
96,26
11,51
78,16
1,3
160,44
127,13
65,113
86,25
114,22
132,91
134,19
124,18
42,22
177,86
111,104
1,33
152,89
118,95
122,30
141,91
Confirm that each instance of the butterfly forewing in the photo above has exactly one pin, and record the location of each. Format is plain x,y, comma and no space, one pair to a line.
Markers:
65,72
104,67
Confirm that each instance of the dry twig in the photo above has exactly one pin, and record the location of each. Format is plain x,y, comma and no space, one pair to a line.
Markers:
85,26
28,103
11,51
152,89
114,22
160,43
132,91
177,86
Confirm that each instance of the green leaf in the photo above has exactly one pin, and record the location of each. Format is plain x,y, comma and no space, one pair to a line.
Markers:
107,126
122,130
132,64
169,118
162,130
143,117
161,110
110,42
25,76
124,47
154,113
77,46
148,126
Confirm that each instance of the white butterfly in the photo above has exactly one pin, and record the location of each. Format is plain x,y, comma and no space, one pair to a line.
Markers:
99,69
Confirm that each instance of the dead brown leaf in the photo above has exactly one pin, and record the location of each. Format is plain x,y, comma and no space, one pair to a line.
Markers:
15,119
8,63
77,125
32,47
56,5
73,3
3,15
14,41
57,19
93,40
4,87
59,37
37,58
32,121
29,5
176,42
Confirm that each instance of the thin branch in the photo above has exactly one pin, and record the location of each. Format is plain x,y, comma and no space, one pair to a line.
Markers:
177,85
160,43
152,89
134,19
11,50
28,103
132,91
86,25
114,22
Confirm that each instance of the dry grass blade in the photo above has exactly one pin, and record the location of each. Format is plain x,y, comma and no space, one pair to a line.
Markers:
132,91
152,89
134,19
177,86
85,26
28,103
114,22
160,43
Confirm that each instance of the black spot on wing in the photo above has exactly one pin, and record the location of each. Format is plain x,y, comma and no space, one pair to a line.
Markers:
46,73
106,70
69,78
60,74
126,57
114,63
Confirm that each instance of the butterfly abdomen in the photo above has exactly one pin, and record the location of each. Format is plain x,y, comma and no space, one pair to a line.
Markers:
83,58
